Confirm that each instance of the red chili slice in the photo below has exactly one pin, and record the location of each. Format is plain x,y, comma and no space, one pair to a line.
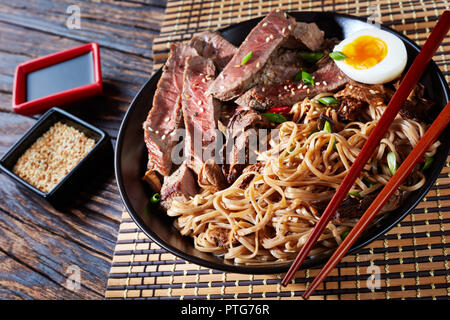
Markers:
284,110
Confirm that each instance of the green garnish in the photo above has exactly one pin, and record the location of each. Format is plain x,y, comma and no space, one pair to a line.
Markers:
298,77
334,143
327,127
328,100
355,194
307,78
344,234
246,58
337,55
155,198
368,182
428,162
275,117
392,163
311,56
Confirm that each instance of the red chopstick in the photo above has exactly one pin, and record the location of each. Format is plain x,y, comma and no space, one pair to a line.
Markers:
397,101
402,173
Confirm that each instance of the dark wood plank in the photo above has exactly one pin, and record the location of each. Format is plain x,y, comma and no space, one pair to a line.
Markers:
38,242
113,24
123,74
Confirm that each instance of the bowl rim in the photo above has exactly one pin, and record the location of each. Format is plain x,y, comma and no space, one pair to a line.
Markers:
276,267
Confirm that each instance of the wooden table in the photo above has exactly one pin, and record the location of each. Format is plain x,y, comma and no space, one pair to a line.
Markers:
39,246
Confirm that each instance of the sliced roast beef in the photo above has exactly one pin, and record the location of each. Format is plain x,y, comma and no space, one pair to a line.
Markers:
211,176
180,185
351,207
262,97
256,167
200,111
240,138
284,65
210,44
261,42
356,96
165,115
307,35
416,107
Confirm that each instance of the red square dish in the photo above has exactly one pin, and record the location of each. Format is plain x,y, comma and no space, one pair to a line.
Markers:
57,79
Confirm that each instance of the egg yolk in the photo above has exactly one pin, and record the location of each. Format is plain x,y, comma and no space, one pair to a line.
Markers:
364,52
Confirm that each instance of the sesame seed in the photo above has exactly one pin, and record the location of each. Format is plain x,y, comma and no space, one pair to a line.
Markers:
324,82
305,86
163,136
290,27
379,103
264,24
59,149
372,91
339,77
271,36
267,39
308,91
350,86
237,65
258,64
157,132
283,30
317,83
263,89
285,87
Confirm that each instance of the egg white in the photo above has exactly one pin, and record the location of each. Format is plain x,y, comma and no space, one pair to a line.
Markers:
386,70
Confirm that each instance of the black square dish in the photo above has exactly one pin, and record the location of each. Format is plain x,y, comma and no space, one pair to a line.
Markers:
72,181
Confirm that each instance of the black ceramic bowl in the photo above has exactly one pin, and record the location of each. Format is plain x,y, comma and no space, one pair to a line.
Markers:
66,189
131,155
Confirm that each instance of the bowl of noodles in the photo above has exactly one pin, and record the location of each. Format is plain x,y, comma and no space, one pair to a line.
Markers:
259,221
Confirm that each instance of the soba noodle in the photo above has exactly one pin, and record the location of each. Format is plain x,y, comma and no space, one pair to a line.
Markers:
272,217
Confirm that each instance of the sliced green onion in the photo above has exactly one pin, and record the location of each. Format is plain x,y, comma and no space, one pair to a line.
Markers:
368,182
337,55
307,78
275,117
392,163
327,127
246,58
428,162
155,198
328,100
311,56
334,143
344,234
298,77
355,194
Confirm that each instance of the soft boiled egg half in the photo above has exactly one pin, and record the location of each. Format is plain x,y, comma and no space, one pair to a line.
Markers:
372,56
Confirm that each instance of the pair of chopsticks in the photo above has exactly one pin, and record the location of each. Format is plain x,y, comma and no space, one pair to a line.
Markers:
409,81
400,175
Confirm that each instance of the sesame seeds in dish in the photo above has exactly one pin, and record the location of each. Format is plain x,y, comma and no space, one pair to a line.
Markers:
53,156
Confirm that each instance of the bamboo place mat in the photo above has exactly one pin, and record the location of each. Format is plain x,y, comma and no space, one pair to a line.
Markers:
412,260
